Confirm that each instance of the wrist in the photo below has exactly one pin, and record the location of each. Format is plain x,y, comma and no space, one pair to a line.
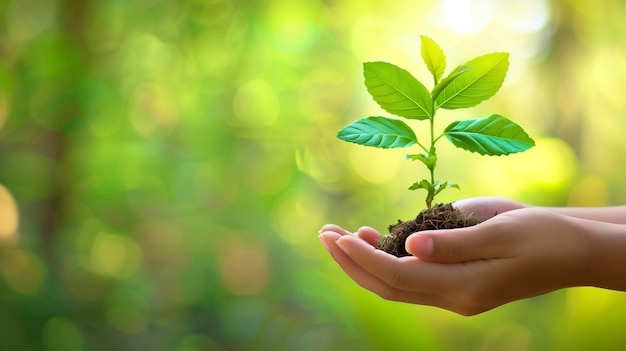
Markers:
606,255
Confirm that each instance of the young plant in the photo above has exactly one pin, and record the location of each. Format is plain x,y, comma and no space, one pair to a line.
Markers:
401,94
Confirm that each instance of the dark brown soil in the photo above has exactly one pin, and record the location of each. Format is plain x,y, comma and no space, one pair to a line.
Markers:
441,216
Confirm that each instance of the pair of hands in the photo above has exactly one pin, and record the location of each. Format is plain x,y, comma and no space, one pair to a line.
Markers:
522,251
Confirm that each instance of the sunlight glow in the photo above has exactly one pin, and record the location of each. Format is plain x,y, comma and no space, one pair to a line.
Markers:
467,16
525,16
473,16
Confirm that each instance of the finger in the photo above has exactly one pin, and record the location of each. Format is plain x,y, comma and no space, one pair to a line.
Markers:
368,281
485,207
406,273
480,242
482,207
334,228
370,235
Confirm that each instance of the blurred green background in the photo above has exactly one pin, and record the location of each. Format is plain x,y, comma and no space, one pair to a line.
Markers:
172,161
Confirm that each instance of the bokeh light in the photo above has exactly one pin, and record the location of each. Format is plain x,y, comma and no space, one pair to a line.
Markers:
23,271
113,255
27,19
256,104
244,269
60,333
165,167
9,218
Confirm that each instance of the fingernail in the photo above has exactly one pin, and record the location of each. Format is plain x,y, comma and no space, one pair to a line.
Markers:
324,243
421,245
343,246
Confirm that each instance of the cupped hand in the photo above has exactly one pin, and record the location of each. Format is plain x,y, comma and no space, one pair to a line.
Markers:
520,253
485,207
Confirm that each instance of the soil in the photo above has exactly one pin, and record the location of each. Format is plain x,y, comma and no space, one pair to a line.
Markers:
440,216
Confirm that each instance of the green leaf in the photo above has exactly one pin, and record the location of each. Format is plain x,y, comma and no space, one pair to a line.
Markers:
433,57
439,187
446,81
422,184
397,91
435,188
379,132
474,85
429,160
494,135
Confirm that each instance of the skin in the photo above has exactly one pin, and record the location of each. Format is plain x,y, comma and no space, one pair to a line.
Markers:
520,251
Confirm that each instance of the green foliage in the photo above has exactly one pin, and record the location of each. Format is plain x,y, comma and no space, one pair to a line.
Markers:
401,94
432,188
427,159
474,82
164,162
397,91
494,135
433,57
379,132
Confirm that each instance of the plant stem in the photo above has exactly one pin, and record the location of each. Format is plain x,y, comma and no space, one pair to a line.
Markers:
422,146
431,152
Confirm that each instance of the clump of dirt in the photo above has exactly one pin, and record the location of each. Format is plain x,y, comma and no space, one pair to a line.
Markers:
440,216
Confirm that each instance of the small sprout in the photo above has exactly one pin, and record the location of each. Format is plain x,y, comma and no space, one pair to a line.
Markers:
401,94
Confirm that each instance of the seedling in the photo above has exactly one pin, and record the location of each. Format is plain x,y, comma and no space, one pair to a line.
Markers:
401,94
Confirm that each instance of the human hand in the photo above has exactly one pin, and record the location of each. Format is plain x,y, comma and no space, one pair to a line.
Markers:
485,207
515,255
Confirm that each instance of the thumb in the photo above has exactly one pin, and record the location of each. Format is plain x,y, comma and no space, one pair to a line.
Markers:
457,245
